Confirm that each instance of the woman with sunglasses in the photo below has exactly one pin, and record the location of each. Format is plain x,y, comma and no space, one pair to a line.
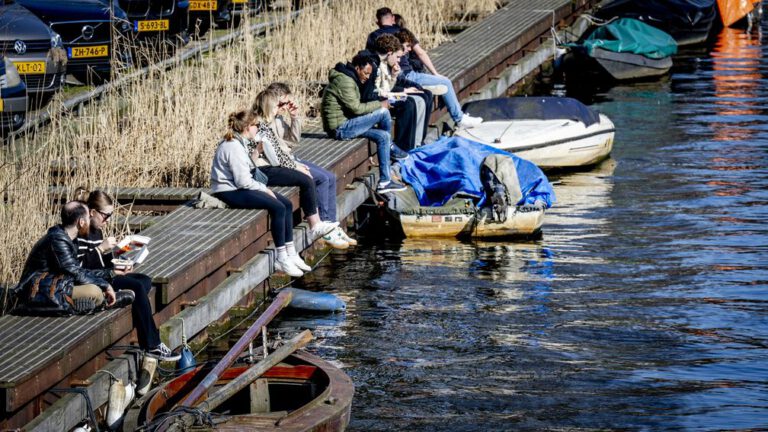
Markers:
95,252
277,138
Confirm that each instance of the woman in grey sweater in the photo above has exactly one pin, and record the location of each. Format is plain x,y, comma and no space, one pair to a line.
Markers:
236,181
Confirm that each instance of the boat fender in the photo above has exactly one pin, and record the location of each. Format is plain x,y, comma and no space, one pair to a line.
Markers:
314,301
147,372
120,397
187,361
82,428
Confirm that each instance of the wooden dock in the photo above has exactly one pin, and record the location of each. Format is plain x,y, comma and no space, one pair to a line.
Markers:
201,252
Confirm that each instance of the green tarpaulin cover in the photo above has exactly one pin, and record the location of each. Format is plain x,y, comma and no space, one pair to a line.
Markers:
632,36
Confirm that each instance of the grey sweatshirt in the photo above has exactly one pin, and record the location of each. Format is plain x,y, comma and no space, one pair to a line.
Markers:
231,168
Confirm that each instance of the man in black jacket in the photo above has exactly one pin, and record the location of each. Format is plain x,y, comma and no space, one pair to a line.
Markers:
56,253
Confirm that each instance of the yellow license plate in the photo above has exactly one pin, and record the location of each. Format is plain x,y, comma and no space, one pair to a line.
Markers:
30,68
89,51
238,1
2,105
151,25
203,5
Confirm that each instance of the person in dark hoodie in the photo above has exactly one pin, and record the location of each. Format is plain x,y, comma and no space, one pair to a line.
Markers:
386,21
345,116
414,105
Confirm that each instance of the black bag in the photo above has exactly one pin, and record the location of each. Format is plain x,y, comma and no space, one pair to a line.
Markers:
47,294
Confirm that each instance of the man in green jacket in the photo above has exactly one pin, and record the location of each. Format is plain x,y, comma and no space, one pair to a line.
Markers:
345,117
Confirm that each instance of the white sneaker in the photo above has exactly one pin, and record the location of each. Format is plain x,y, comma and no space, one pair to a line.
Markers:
467,121
346,238
296,259
288,267
324,228
333,239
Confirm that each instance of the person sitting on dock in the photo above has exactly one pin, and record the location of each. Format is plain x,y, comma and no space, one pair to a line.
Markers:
56,253
410,111
237,181
278,140
95,253
385,19
346,117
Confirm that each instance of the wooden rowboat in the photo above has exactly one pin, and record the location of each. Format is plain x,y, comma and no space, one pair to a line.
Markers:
303,393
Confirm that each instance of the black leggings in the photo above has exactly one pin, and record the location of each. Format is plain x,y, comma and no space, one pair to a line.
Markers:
281,176
280,210
141,310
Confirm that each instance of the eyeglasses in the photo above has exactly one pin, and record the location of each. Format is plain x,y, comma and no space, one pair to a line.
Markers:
104,216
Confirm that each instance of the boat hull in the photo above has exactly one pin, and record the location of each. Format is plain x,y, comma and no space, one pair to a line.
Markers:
521,222
628,66
563,144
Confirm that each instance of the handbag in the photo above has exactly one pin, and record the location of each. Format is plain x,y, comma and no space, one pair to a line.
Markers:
47,294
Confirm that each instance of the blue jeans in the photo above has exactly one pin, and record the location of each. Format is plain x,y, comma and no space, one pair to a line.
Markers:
374,126
325,184
450,99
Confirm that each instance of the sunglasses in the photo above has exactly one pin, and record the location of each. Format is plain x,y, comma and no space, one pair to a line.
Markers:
104,216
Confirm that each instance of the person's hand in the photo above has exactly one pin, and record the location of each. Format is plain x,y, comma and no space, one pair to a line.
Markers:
396,69
293,109
123,271
109,295
270,193
107,245
303,169
413,90
386,104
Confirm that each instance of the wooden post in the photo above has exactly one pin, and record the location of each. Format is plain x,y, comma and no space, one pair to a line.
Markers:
277,305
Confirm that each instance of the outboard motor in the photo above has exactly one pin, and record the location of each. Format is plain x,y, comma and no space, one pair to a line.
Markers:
501,185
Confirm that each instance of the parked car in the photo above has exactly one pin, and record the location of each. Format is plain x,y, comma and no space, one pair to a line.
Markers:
163,20
13,97
85,27
203,12
33,47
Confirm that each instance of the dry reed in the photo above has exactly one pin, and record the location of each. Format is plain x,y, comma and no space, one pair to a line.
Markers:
162,130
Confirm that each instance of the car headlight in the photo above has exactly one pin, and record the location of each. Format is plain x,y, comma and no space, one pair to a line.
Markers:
12,78
56,41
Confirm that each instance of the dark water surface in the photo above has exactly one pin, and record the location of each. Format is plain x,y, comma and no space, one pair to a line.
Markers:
644,305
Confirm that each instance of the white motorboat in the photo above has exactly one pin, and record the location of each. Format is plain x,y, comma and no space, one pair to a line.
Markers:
552,132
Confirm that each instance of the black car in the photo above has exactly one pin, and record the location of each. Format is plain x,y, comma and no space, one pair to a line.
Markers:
86,29
164,20
13,96
204,12
33,47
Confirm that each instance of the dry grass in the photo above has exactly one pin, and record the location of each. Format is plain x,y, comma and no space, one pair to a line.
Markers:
162,131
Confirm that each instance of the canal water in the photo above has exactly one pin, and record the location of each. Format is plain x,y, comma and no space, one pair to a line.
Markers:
643,306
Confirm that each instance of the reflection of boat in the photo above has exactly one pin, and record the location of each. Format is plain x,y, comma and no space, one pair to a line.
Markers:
304,393
624,49
688,21
551,132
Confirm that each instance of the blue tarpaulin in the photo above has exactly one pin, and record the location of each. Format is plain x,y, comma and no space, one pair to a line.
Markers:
438,171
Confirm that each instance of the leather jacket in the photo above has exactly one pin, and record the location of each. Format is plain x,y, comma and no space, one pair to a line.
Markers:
57,253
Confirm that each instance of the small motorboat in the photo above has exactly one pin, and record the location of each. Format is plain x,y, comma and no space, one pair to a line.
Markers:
623,49
302,393
688,21
461,188
552,132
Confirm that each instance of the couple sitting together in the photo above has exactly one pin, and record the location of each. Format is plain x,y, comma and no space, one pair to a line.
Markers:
380,82
256,154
